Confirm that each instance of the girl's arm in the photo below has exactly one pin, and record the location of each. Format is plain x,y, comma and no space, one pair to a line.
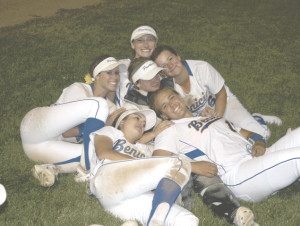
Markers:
202,167
147,137
257,141
104,149
221,101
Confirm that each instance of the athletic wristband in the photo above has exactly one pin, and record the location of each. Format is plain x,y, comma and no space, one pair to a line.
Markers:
255,137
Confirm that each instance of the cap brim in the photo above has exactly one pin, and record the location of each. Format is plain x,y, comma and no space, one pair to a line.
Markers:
142,34
147,75
152,73
150,118
122,67
148,113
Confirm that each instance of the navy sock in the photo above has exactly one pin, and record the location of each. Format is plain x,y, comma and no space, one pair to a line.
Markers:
167,191
90,125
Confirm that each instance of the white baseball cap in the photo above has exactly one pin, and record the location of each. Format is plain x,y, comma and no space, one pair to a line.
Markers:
108,64
146,71
148,113
143,30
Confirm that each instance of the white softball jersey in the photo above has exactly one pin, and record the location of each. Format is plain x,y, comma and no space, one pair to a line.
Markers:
78,91
124,188
125,85
205,82
206,139
120,144
218,141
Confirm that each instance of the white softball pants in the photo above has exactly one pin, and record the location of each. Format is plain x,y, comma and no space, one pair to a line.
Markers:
236,113
124,188
256,179
41,128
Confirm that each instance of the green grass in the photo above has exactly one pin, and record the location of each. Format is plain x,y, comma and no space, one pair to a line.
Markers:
253,44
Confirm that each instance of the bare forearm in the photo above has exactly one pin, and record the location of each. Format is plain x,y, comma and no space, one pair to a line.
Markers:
104,149
204,168
147,137
157,130
71,132
221,102
112,155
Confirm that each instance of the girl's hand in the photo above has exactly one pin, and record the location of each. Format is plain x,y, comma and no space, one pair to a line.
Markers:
208,111
112,117
258,149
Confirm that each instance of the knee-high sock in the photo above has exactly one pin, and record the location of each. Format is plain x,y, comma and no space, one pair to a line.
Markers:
166,193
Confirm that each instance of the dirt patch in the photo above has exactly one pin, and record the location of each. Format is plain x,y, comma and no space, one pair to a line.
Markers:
14,12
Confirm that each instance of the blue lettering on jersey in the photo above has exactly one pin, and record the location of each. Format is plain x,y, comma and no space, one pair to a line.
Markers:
211,101
203,123
121,145
200,103
197,125
209,122
231,126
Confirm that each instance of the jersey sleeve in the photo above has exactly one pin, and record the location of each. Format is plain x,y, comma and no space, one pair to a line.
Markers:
209,77
108,131
76,91
145,149
111,106
124,85
167,140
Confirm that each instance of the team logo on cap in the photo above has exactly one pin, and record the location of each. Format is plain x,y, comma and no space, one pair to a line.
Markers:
145,29
147,66
111,60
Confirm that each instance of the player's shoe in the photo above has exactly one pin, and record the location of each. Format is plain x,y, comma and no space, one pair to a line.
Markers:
289,130
46,174
127,223
88,189
244,217
260,119
130,223
81,174
269,119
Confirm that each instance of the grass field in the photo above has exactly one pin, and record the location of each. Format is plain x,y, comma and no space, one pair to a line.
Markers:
253,44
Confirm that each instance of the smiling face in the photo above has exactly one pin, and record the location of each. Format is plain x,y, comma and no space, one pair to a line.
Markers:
170,105
149,85
133,126
143,46
108,80
171,62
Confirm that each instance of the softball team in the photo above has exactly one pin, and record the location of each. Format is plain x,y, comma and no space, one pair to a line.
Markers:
97,130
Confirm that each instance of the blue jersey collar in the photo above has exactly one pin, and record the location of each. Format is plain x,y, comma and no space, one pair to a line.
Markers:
92,86
188,68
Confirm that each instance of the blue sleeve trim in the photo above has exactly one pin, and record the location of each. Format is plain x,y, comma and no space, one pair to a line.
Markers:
92,86
188,68
194,154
